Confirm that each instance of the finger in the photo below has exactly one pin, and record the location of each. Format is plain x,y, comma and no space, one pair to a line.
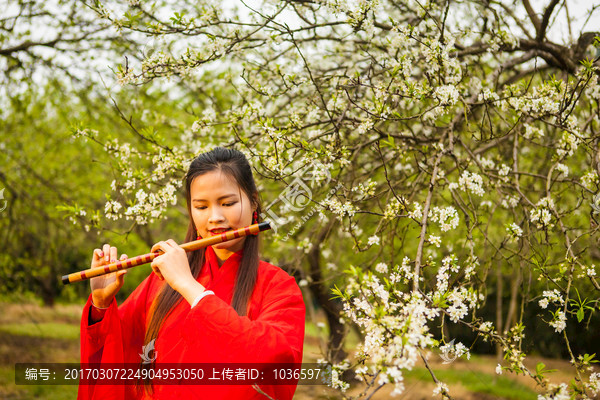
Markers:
113,254
123,258
176,246
97,258
172,243
158,274
158,246
157,271
98,254
120,279
106,251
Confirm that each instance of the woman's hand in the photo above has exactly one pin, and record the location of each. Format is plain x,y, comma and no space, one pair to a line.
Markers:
173,266
105,287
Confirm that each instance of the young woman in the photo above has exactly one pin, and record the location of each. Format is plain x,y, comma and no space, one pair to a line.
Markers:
220,304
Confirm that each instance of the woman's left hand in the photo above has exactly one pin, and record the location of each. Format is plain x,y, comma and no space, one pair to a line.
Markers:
172,265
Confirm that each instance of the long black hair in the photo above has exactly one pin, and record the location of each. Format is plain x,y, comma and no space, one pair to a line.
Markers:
233,163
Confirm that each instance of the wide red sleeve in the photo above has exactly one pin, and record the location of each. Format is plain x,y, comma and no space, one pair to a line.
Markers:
117,338
214,332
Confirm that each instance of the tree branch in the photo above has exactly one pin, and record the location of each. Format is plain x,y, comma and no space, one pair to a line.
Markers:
532,16
545,19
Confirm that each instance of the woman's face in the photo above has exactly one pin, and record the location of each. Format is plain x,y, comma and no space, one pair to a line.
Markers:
218,205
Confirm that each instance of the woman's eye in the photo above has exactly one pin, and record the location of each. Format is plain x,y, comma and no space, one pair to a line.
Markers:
200,208
229,204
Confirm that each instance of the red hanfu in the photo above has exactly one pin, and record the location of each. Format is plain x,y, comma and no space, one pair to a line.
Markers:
211,332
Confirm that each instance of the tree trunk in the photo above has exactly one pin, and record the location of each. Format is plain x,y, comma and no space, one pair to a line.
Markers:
48,291
511,318
322,294
499,293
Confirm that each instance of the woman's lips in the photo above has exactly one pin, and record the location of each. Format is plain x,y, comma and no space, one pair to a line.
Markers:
218,232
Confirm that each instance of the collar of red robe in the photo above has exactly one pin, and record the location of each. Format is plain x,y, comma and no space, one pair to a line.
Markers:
213,261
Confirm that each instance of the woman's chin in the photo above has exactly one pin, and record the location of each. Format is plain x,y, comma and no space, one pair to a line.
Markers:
231,245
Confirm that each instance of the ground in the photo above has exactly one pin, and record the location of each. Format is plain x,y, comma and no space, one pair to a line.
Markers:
32,333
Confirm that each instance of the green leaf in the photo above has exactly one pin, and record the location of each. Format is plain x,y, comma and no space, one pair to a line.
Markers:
539,367
580,315
337,292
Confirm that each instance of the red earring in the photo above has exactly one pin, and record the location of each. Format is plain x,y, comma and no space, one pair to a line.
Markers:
255,220
198,237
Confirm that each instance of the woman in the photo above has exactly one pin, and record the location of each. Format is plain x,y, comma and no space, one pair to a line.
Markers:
220,304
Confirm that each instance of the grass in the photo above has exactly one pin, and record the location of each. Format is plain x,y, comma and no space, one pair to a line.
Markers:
50,330
10,391
476,382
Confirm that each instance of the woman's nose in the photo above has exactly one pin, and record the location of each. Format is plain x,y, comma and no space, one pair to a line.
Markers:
216,215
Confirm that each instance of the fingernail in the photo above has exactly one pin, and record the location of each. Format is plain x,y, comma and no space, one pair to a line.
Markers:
101,254
113,260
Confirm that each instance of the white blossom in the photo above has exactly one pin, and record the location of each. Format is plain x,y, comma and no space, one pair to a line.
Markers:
561,394
447,95
559,322
417,212
486,326
594,383
542,214
373,240
341,209
514,230
447,217
562,169
393,208
365,126
488,96
486,162
504,170
510,202
554,296
440,388
472,182
532,132
567,145
367,189
434,240
196,126
111,209
381,268
590,180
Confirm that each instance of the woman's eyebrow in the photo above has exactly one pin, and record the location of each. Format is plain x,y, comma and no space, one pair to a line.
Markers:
220,198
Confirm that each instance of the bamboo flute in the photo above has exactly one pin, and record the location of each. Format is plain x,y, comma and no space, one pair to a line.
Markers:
147,258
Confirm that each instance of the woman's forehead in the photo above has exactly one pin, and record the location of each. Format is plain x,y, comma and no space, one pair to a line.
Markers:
213,185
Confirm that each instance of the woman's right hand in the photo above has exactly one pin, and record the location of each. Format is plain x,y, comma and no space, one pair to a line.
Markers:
105,287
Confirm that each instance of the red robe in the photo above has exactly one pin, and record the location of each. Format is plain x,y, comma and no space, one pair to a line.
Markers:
211,332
